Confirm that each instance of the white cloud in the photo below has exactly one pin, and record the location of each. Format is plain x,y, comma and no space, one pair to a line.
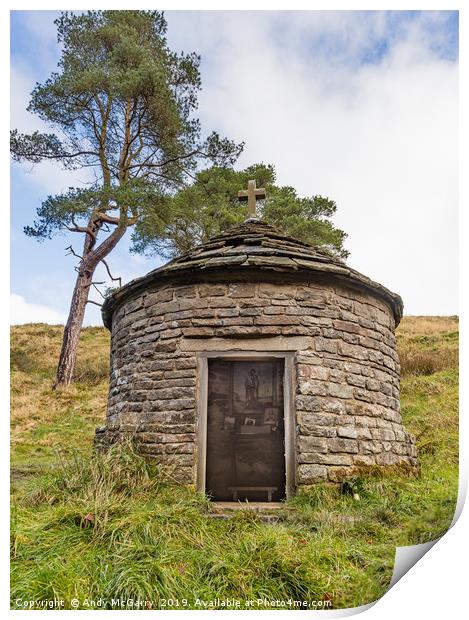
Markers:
379,138
42,28
48,177
22,312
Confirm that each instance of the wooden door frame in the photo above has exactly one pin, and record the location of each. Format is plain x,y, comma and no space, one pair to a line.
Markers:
288,410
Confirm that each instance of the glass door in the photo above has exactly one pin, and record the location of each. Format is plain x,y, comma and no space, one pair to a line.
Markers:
245,430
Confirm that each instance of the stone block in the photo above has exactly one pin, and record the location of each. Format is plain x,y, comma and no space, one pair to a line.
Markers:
179,460
133,305
192,304
273,291
277,320
209,322
399,434
387,458
274,310
384,434
347,431
352,350
376,356
346,326
316,430
356,380
352,367
179,448
338,390
242,321
324,344
167,346
315,321
184,363
320,419
308,474
333,406
312,295
364,459
342,445
170,333
283,302
363,433
175,404
399,448
183,475
150,448
299,330
158,297
311,444
320,458
242,290
179,374
222,302
252,302
337,474
370,447
212,290
236,331
308,371
363,394
308,403
372,384
228,312
198,332
335,374
314,388
185,292
350,338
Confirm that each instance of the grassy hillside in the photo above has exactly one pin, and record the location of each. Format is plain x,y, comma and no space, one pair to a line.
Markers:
111,526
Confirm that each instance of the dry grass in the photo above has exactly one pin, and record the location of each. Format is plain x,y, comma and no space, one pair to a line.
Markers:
412,326
427,344
43,419
414,362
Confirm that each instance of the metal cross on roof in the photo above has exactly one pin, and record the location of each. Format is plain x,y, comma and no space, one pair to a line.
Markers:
251,194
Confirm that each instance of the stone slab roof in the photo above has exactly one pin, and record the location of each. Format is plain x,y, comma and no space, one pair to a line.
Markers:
247,249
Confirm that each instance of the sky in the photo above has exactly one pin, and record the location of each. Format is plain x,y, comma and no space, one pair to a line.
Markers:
359,106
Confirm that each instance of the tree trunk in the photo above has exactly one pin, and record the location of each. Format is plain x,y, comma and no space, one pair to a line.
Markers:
68,353
91,258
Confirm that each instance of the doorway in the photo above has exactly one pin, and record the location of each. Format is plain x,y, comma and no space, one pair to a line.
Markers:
245,436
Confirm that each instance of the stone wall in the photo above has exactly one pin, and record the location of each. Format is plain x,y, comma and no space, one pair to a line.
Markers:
346,367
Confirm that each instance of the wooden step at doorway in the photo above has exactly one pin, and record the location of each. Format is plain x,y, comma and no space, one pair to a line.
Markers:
267,512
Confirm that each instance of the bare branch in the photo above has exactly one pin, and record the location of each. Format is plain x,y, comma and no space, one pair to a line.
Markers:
110,274
80,229
93,284
97,289
90,301
72,252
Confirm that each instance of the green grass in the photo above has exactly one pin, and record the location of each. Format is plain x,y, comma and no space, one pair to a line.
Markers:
112,526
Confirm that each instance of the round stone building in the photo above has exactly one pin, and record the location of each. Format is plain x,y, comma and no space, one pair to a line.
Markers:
255,364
